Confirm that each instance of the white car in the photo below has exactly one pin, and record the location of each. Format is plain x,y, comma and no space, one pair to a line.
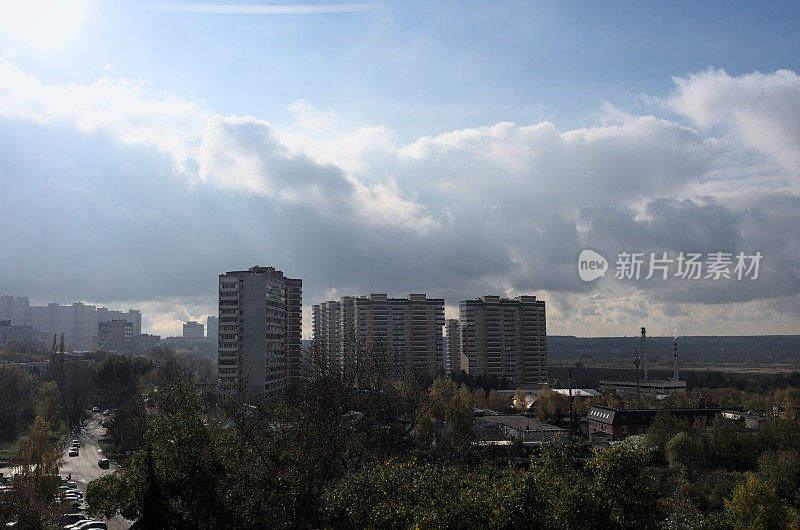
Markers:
86,525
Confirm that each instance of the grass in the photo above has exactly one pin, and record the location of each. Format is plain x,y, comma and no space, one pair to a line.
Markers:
10,443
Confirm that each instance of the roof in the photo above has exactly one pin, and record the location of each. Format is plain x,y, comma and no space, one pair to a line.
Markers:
577,392
518,422
612,416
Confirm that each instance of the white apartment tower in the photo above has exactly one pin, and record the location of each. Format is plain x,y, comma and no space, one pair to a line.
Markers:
260,319
504,338
407,330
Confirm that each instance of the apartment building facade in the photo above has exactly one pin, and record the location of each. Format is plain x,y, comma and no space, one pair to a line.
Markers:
452,357
78,322
327,331
400,332
193,330
116,336
260,321
212,327
504,338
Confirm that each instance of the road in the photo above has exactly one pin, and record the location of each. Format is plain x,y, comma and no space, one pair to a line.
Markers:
84,468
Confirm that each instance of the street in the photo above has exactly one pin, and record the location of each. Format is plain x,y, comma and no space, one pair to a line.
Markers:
83,468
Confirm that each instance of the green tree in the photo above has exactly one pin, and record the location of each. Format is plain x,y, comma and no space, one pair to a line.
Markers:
755,506
623,492
460,421
49,405
662,430
17,390
33,501
684,452
781,471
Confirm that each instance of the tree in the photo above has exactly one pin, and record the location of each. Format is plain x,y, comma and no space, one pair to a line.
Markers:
662,430
684,452
498,402
755,506
548,403
33,499
479,397
49,405
781,471
622,490
17,389
520,400
460,421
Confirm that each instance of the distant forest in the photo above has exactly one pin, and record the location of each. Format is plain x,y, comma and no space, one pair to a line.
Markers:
760,349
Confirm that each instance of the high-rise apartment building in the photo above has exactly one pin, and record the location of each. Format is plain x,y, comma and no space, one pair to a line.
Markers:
77,322
116,336
193,330
408,331
327,328
15,310
212,327
504,338
260,320
452,351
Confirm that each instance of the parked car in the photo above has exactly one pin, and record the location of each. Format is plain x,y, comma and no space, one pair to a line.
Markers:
103,463
71,490
95,409
72,518
73,452
86,525
106,412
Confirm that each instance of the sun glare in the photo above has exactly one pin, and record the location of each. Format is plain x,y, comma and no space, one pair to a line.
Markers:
42,25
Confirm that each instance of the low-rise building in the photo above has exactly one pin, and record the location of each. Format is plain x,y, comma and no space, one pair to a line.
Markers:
609,424
494,428
145,343
751,419
654,387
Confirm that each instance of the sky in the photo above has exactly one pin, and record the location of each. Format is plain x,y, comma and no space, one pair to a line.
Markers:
454,148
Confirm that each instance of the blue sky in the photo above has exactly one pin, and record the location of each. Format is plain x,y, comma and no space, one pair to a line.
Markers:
458,148
425,67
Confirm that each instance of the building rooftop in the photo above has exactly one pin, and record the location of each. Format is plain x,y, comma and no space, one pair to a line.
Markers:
609,415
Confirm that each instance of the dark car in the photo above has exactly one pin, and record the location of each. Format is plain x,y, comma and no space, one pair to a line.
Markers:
103,463
73,452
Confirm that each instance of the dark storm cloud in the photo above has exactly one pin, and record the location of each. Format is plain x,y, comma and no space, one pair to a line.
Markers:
671,224
762,225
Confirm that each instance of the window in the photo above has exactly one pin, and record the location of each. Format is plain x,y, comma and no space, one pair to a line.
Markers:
624,429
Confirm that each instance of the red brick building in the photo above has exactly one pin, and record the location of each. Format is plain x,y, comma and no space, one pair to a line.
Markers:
610,424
